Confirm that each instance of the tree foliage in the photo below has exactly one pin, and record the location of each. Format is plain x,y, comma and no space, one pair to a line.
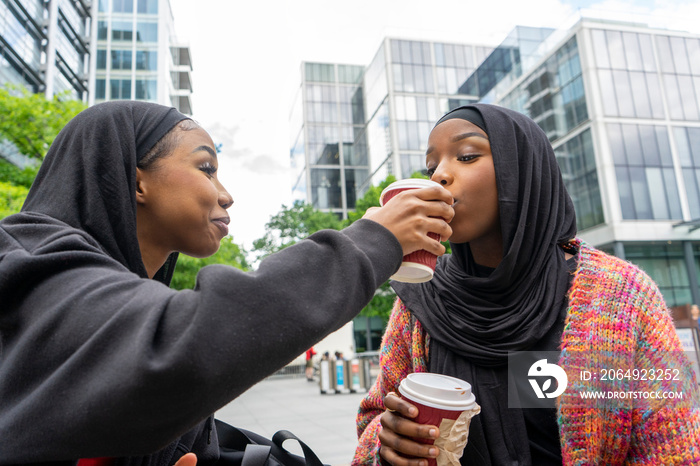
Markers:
229,253
292,224
11,198
31,121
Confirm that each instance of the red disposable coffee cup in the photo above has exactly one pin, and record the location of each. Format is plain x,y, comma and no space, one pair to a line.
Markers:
441,401
417,266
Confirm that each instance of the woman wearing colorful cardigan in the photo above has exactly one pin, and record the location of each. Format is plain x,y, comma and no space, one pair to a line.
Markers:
519,281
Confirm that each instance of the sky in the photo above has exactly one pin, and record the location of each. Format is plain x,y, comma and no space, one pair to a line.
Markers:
247,56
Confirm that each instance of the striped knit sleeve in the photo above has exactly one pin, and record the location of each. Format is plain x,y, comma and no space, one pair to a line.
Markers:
401,353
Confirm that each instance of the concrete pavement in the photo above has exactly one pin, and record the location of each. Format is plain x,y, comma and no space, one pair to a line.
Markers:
325,422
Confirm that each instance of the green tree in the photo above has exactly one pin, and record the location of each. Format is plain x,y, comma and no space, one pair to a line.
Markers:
292,224
29,125
11,198
229,253
31,121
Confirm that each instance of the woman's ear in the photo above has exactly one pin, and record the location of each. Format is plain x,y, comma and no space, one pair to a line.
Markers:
140,186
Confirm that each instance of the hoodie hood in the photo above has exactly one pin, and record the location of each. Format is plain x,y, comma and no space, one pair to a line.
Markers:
88,178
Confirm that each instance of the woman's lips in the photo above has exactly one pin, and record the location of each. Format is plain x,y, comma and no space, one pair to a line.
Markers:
222,224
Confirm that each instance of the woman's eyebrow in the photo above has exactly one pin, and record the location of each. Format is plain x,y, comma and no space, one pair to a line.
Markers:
211,151
458,138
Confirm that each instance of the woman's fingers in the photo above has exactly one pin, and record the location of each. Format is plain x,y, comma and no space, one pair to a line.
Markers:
412,214
398,434
188,459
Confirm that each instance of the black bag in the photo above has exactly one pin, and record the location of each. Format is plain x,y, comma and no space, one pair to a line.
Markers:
245,448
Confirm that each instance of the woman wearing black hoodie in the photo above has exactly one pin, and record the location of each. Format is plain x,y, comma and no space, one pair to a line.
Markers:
98,357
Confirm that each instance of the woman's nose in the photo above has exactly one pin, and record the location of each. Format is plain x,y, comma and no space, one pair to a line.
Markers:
225,199
442,176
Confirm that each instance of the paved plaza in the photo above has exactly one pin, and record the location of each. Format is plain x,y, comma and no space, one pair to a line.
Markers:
325,422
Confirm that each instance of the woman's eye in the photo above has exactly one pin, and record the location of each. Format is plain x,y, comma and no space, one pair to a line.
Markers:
208,168
429,171
466,158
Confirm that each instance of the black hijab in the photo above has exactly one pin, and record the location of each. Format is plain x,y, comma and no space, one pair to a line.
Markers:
483,318
88,178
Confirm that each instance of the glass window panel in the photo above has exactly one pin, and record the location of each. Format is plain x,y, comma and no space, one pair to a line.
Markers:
397,71
688,98
649,147
411,110
405,51
694,143
326,189
640,193
600,48
607,90
674,201
624,189
617,145
148,6
623,93
673,96
616,50
680,57
655,100
100,89
664,146
633,149
646,51
693,47
102,30
403,134
680,136
101,59
657,193
631,45
640,95
692,189
122,30
439,54
665,54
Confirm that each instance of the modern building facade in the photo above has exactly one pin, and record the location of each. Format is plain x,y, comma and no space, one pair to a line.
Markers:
44,46
137,55
620,103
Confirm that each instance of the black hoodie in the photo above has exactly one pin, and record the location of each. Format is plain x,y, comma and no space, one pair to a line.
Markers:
97,360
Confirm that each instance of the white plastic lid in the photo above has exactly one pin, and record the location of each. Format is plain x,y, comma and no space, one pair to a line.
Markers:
438,391
407,183
412,272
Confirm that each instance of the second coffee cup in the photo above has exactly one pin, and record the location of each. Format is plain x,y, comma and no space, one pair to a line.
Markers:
418,266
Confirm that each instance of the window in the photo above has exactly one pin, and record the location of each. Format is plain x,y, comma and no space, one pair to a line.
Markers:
122,31
120,89
146,89
147,60
147,6
644,170
122,6
146,32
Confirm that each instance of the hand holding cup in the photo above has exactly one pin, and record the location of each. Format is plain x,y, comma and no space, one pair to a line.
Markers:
418,215
399,431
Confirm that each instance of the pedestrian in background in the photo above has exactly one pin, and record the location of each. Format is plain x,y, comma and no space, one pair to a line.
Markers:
310,353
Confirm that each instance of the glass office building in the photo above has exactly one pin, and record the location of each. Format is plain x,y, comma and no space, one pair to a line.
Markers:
328,148
44,46
619,102
352,126
621,105
137,55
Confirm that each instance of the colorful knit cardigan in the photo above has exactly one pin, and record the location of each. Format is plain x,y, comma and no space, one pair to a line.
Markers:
613,307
